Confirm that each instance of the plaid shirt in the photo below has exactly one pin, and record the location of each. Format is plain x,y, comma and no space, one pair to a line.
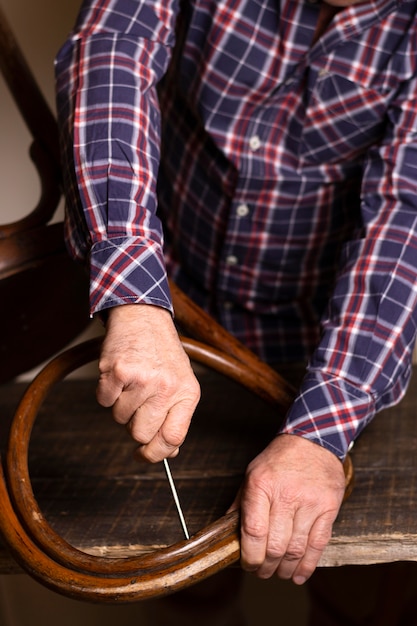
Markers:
286,178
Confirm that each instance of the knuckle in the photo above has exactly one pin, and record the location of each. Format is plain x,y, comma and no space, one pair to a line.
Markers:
322,531
149,454
276,552
255,528
319,542
141,427
114,369
195,389
103,365
256,483
295,552
152,456
187,391
138,433
167,384
173,437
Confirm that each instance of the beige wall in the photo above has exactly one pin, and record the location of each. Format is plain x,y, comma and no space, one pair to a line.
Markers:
40,28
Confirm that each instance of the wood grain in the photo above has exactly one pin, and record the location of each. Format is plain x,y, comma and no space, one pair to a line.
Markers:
101,500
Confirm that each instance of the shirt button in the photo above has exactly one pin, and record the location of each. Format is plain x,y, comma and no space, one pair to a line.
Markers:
231,259
242,210
254,143
227,305
323,72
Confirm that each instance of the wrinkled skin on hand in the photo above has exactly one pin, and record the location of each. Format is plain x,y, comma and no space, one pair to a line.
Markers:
290,498
147,379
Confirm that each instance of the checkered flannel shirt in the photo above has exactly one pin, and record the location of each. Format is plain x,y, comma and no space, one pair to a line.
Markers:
287,183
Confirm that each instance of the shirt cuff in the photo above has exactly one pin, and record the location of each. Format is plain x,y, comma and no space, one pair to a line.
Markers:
127,271
329,411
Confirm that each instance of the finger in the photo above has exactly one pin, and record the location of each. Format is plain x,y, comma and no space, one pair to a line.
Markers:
281,530
318,539
140,457
146,420
108,391
171,434
127,407
123,393
296,546
254,529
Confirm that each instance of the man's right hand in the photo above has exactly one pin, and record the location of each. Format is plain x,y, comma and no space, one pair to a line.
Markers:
147,379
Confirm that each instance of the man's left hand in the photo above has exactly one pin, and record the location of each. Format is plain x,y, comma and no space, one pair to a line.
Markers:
291,496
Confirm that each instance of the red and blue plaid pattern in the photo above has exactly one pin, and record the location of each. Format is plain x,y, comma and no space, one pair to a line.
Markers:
286,180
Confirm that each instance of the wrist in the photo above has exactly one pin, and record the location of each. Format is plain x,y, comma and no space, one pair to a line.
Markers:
131,312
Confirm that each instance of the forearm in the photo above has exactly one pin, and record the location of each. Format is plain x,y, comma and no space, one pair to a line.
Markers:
363,361
109,120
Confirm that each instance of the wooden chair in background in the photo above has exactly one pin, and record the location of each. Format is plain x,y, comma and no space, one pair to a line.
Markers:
43,293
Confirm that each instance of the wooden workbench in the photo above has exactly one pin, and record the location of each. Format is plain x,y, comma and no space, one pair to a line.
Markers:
101,500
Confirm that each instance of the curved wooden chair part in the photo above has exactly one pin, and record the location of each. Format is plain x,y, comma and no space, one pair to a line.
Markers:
44,294
58,565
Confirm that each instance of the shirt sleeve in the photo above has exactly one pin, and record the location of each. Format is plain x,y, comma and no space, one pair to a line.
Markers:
363,362
108,113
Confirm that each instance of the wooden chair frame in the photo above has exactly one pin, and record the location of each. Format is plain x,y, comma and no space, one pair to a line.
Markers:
38,321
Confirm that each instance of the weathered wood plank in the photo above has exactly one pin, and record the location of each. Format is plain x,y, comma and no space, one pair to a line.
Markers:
101,500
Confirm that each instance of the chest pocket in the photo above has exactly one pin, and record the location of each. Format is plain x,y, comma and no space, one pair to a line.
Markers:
342,119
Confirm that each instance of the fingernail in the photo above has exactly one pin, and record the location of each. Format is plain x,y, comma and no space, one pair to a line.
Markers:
299,580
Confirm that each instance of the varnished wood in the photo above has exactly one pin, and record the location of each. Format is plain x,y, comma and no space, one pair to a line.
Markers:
265,381
44,294
44,301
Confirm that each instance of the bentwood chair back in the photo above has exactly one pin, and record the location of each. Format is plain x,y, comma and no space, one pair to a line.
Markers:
43,293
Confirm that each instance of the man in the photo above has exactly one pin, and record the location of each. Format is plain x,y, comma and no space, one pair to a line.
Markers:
287,190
